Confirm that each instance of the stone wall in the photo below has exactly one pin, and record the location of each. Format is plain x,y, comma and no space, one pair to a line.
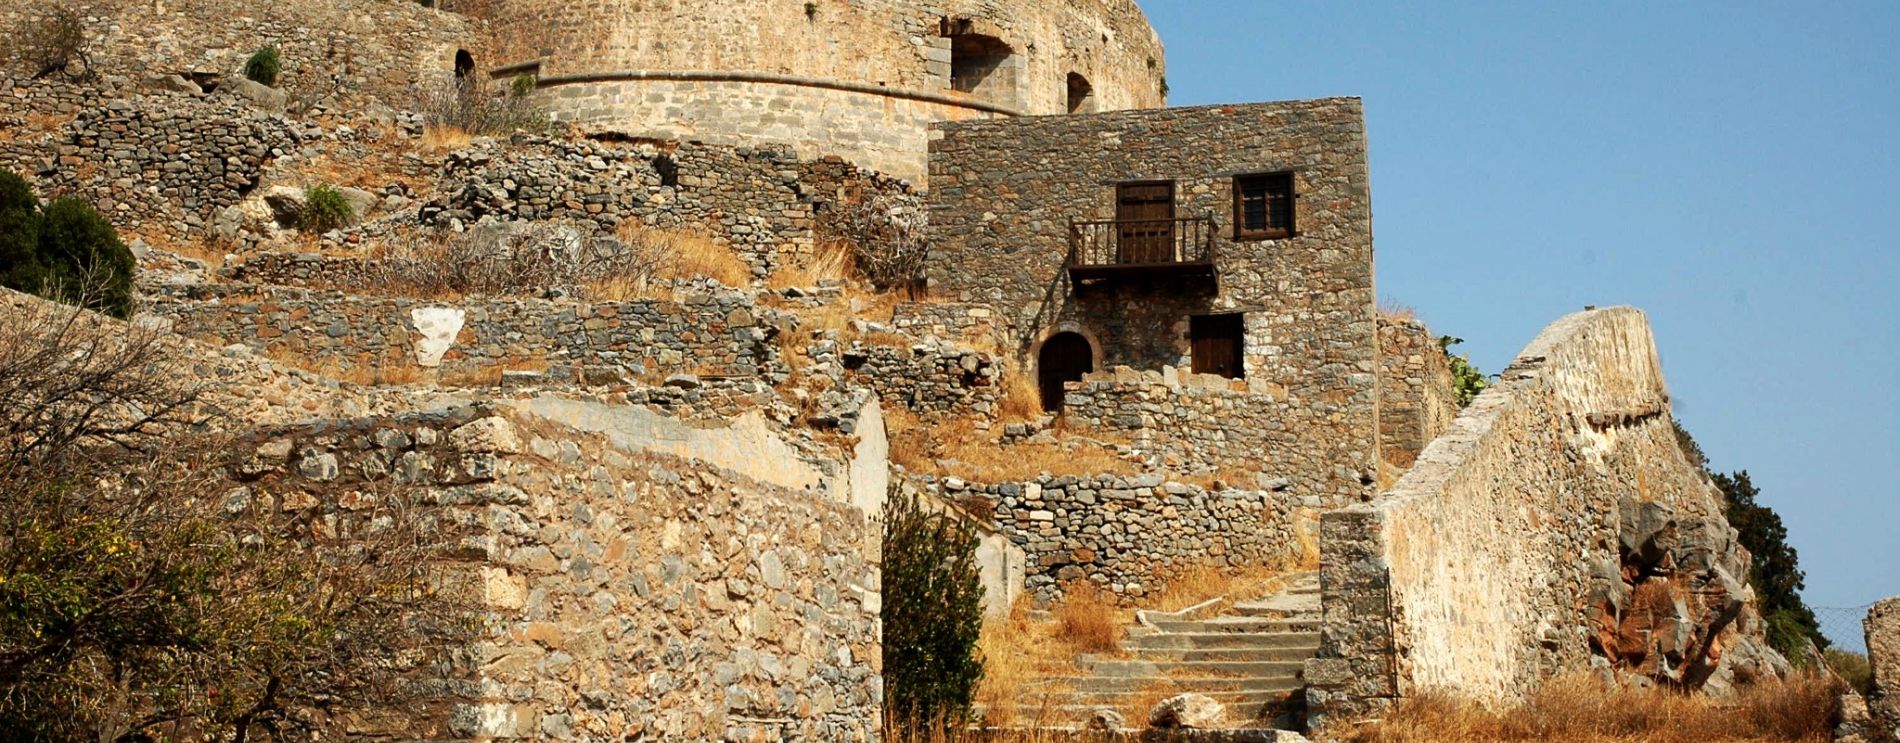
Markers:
1130,534
1883,651
1416,398
935,380
1557,521
342,50
624,594
719,335
1200,423
1004,193
863,80
969,323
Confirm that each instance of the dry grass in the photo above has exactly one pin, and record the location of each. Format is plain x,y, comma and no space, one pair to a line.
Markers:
1587,709
1390,309
956,447
440,138
1022,397
686,254
366,373
831,262
1199,583
1015,653
1089,619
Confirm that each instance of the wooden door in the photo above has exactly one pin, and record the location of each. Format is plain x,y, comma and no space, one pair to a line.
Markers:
1144,216
1065,357
1217,343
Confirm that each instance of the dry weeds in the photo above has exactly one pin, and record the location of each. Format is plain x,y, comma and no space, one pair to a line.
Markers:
1588,709
956,447
1202,582
1088,618
439,138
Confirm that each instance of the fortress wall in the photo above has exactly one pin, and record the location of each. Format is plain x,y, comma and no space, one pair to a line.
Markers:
1004,193
1496,561
351,49
1416,399
703,334
862,79
622,593
1130,534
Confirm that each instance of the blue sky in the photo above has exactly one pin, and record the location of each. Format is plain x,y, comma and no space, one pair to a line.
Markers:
1728,167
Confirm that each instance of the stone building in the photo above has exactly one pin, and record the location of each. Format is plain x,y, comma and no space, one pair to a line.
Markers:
1228,241
862,79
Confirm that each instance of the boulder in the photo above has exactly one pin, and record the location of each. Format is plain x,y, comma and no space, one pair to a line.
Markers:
1103,719
361,202
172,83
229,223
286,205
1187,712
260,96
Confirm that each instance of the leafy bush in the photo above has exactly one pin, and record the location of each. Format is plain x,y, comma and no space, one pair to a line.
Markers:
53,43
1466,380
933,613
523,85
20,266
325,209
263,66
65,251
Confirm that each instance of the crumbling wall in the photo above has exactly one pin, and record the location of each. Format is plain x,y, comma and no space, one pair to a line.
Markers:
1883,652
974,324
1201,423
932,379
1416,399
710,334
623,594
1130,534
1557,521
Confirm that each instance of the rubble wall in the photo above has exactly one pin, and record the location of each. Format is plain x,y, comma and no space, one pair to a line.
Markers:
1130,534
1883,651
1416,400
1506,554
623,594
712,335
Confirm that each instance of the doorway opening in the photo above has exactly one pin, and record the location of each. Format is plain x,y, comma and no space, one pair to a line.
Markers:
1065,357
1217,343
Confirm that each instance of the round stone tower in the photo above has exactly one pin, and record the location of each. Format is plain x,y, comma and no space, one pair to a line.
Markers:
862,79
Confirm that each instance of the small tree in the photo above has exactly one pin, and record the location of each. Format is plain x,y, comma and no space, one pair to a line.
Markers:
933,613
20,266
86,262
263,66
53,44
1775,570
1466,380
325,209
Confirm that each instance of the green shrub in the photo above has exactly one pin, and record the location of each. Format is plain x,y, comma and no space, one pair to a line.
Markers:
325,209
86,263
1466,380
1854,668
20,266
523,85
263,66
933,613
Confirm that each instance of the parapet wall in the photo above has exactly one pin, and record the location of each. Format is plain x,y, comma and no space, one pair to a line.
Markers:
1130,535
1416,399
1503,557
718,335
623,594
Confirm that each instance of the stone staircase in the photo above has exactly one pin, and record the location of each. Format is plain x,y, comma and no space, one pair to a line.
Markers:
1246,654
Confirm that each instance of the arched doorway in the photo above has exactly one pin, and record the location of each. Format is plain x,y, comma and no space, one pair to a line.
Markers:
1064,357
464,65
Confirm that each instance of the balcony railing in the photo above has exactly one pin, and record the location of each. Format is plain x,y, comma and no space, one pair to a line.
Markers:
1098,249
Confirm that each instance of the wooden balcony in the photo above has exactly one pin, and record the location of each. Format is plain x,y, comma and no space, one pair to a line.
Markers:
1141,249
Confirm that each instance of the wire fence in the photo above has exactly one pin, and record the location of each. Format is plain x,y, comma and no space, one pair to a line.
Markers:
1842,625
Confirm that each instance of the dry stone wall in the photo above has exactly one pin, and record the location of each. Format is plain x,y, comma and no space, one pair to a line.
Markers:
1003,194
345,51
625,595
1131,534
720,335
1557,525
1416,399
933,379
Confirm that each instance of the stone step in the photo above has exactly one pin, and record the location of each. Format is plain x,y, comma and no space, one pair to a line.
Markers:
1191,640
1130,684
1243,654
1251,625
1243,704
1196,668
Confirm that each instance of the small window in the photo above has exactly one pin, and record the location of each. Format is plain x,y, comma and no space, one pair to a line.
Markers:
1263,206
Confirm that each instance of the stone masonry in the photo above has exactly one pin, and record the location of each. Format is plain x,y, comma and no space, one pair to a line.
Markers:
1883,651
624,594
1416,400
1131,534
1508,553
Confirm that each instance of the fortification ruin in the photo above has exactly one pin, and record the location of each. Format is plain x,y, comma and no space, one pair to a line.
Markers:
665,493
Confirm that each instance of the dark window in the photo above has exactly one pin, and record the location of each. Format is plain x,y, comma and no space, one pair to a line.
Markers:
1263,206
1217,341
1081,94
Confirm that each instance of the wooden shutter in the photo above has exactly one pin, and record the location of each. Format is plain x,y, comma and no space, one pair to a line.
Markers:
1144,213
1216,342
